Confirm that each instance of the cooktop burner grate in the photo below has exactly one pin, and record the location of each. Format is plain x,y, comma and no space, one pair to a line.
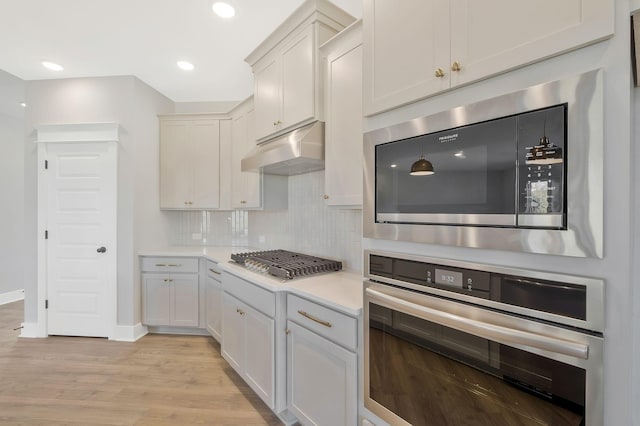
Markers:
285,264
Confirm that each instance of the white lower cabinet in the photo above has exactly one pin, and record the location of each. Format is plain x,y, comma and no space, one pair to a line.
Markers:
248,335
321,379
170,292
321,373
213,298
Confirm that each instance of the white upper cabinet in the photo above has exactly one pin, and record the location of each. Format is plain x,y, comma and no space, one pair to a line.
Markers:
428,46
190,161
251,190
246,187
287,91
343,112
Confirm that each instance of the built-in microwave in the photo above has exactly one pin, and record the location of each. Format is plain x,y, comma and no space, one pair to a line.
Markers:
522,171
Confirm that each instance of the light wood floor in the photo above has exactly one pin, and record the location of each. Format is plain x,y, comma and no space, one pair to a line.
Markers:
158,380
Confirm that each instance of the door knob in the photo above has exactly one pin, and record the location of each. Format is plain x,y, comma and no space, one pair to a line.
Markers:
102,250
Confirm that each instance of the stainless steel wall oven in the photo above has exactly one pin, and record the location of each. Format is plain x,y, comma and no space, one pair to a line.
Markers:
451,343
522,171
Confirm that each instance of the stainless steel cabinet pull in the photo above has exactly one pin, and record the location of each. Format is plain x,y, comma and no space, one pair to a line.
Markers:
240,311
174,264
287,331
485,330
168,264
169,280
214,271
161,264
312,318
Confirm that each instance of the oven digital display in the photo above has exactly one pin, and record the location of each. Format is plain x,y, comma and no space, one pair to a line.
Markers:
448,278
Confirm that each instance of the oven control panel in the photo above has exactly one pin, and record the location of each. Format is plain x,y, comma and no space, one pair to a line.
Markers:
570,300
476,283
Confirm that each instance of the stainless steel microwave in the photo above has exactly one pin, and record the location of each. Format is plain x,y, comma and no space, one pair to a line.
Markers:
521,171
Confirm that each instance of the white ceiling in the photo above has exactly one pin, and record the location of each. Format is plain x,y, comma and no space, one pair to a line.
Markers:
144,38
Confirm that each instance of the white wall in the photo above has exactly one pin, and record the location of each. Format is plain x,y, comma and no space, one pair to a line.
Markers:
619,218
11,182
133,106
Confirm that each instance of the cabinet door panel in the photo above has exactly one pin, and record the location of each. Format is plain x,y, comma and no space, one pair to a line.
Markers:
157,300
238,150
176,173
184,310
232,346
497,35
204,139
260,356
213,296
403,46
320,374
267,96
253,180
343,149
298,80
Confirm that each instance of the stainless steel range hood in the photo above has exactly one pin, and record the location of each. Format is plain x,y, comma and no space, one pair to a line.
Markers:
299,151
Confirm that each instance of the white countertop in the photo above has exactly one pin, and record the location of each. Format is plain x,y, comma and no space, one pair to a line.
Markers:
338,290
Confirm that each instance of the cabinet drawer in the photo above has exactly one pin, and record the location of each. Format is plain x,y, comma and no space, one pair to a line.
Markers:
169,264
331,324
213,270
251,294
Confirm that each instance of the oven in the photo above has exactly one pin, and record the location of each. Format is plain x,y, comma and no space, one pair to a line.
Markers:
454,343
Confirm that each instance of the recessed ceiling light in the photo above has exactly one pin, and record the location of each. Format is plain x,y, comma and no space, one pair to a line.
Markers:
52,66
223,10
23,104
394,165
187,66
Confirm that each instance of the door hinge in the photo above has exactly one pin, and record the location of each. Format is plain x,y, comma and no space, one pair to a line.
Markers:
46,304
46,235
46,164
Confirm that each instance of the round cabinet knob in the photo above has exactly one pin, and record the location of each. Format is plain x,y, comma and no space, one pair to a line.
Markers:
102,250
243,202
439,73
455,66
326,197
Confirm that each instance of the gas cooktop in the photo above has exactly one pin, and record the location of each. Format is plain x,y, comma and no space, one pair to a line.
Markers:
285,264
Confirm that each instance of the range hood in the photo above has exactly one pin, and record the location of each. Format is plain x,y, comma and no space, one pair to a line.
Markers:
299,151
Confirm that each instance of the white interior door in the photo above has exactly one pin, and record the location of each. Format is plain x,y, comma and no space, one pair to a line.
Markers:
81,241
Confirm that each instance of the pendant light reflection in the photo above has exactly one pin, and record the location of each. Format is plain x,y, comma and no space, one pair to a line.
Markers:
545,152
422,167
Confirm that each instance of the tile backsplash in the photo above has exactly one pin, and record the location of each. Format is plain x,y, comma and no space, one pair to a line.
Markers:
307,226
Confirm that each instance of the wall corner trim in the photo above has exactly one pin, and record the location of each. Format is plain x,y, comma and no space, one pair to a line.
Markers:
129,333
11,296
31,330
78,132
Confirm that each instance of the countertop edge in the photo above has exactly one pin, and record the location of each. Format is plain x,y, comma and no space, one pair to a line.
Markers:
309,287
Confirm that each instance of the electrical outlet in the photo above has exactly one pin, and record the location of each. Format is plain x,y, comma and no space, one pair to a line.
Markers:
196,236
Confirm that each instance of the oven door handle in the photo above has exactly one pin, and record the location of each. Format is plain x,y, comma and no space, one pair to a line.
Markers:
485,330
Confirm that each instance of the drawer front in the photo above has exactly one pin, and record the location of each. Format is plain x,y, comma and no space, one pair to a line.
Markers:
213,270
251,294
335,326
169,264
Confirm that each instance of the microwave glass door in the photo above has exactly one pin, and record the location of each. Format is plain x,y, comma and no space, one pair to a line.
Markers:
475,179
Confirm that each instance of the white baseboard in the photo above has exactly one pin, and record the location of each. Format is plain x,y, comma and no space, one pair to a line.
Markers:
31,329
129,333
11,296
